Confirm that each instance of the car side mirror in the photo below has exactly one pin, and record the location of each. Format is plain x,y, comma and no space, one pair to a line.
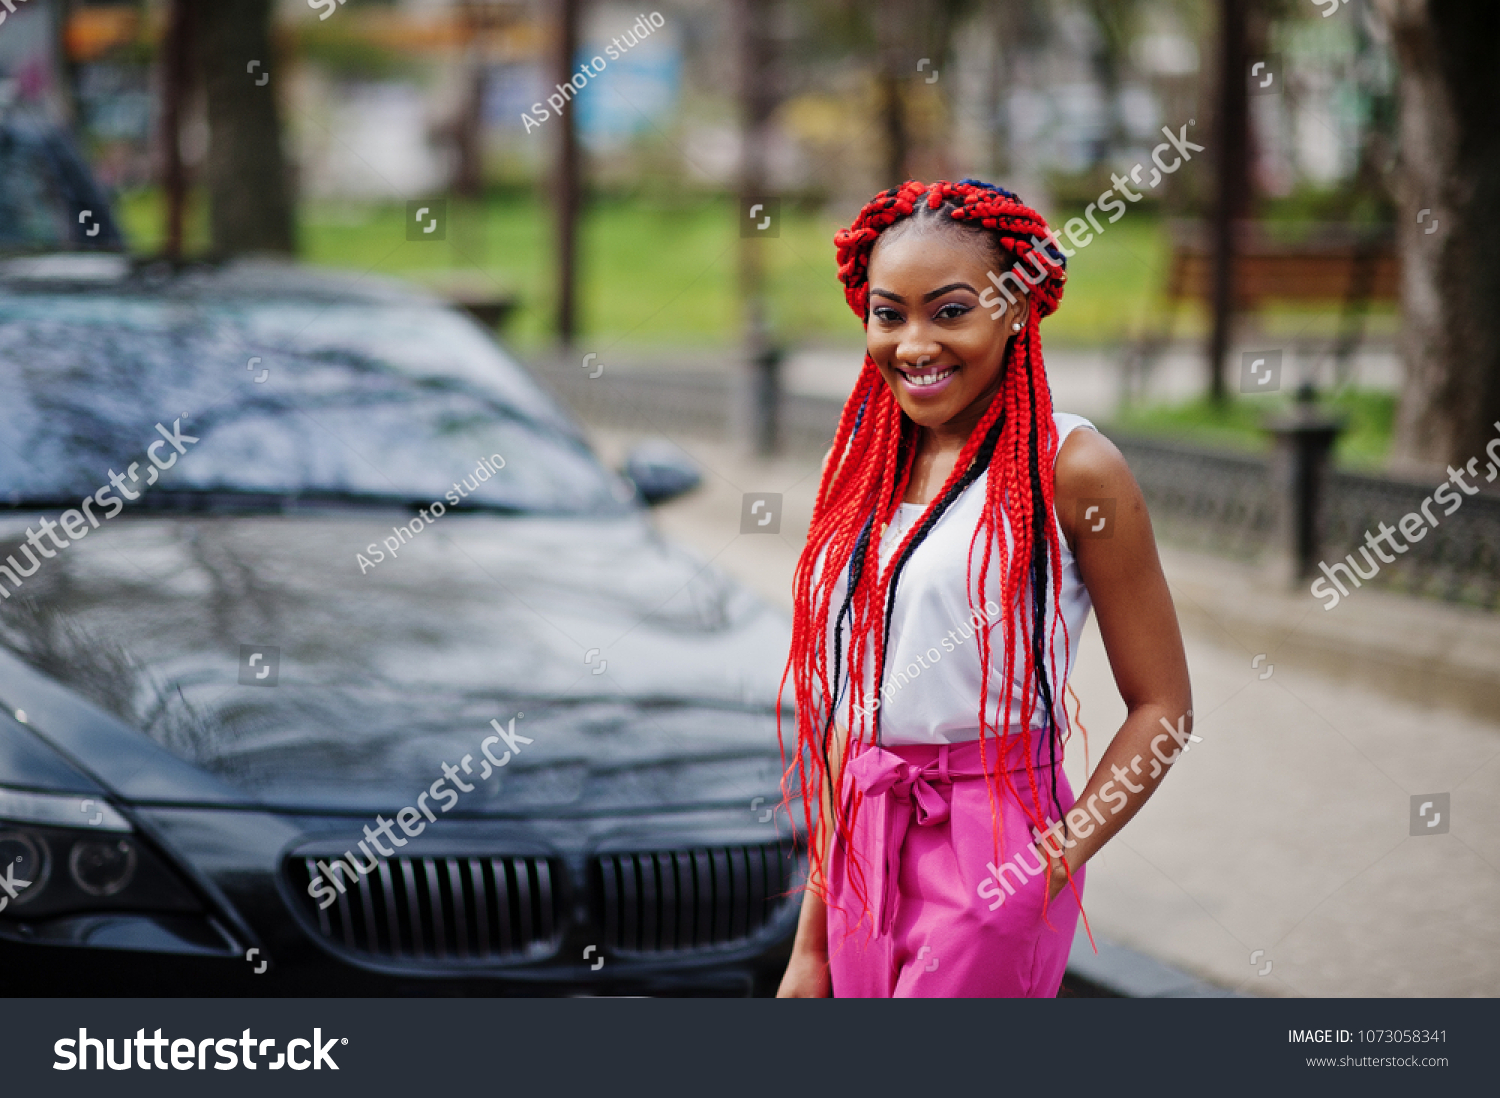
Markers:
660,470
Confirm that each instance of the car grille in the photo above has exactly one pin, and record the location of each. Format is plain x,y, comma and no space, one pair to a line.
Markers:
442,908
680,900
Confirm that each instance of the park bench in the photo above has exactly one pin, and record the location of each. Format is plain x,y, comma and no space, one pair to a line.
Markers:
1349,266
1332,263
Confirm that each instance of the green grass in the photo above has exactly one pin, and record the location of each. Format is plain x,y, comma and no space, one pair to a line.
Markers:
651,273
1114,283
1364,443
662,273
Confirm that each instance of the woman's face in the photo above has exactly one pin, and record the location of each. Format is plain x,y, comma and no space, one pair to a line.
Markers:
936,346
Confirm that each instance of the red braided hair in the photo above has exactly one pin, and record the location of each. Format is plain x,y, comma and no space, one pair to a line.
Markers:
865,479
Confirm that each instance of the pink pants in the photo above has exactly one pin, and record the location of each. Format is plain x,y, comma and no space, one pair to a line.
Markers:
925,846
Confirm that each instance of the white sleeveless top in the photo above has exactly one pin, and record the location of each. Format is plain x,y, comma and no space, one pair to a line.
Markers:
933,671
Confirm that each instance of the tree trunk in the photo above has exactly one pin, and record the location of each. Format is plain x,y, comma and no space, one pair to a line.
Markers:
1232,166
897,23
758,402
67,70
468,124
567,187
1113,20
250,206
176,78
893,121
1448,234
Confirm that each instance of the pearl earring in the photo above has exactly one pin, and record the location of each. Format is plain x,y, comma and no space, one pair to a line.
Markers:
1016,327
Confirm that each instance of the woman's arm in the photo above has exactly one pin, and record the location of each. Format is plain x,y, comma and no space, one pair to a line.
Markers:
1117,557
806,974
807,970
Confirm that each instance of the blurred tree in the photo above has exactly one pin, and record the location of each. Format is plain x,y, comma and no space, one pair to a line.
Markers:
176,81
894,22
478,21
904,33
1231,155
1115,21
758,94
567,172
1021,28
1448,235
895,35
467,128
250,202
67,69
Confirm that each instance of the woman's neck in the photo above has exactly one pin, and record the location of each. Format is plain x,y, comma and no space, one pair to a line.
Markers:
937,453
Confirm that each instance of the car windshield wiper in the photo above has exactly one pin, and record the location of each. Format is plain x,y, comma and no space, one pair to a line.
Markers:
242,500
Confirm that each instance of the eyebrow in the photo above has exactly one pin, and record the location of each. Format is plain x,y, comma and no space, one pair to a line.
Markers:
876,292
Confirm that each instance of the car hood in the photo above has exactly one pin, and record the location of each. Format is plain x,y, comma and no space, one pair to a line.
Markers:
634,673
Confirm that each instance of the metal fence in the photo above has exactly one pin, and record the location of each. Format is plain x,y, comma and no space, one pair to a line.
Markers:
1459,560
1205,499
1228,503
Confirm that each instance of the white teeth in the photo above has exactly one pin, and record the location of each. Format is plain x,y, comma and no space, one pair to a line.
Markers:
921,381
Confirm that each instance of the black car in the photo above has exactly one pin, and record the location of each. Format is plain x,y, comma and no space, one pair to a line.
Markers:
333,662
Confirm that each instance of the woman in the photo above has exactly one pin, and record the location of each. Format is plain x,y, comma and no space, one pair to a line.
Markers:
961,533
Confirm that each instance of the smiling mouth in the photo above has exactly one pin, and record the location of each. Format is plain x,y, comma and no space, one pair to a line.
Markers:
927,377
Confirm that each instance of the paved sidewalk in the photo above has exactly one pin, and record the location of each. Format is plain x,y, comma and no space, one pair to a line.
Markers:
1282,843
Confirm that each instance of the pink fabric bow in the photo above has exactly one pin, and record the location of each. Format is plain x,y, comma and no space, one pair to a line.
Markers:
908,791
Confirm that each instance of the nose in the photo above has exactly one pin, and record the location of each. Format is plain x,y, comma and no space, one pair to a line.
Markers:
917,347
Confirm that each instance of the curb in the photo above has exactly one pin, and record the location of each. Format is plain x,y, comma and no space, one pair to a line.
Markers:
1120,973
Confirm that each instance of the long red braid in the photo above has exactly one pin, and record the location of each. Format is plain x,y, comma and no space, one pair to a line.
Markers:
863,482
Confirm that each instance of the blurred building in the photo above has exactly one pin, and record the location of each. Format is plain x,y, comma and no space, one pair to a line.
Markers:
382,92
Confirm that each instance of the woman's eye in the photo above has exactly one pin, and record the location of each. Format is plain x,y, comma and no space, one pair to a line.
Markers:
886,314
952,311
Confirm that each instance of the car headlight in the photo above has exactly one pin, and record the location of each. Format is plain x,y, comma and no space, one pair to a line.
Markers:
102,868
23,866
62,854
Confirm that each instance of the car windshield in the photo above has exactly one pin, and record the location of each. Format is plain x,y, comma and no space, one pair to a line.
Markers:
356,401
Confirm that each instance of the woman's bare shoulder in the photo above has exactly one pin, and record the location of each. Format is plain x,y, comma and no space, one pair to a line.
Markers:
1091,468
1088,464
